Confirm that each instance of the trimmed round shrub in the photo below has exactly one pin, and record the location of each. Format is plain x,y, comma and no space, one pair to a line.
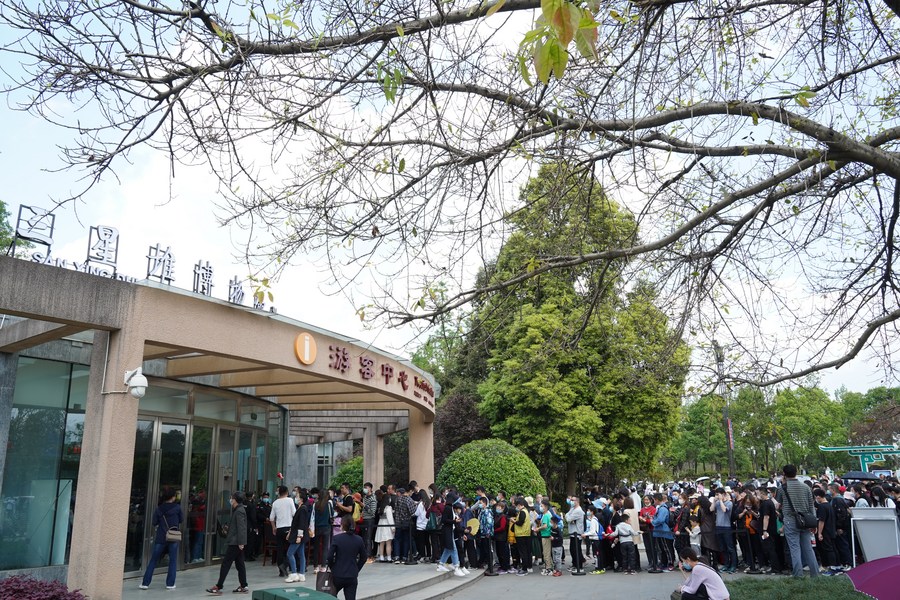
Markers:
350,472
494,464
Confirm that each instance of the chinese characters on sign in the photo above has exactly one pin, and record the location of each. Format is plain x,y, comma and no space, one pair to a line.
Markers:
339,360
36,225
103,245
203,278
339,357
366,369
161,264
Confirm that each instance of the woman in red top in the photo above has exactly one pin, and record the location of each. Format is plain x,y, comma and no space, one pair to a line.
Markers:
646,514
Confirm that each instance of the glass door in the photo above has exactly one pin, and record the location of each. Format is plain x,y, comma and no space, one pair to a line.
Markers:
224,483
137,506
172,453
245,461
199,481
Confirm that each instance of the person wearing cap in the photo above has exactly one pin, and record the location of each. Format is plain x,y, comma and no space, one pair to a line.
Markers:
235,540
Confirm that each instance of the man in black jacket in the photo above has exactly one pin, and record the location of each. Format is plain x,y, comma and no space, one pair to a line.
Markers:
346,558
236,539
252,527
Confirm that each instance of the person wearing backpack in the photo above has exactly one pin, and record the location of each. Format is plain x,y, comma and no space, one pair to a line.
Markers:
663,537
842,525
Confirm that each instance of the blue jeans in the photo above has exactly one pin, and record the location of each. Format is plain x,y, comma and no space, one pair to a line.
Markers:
800,544
725,537
295,550
450,553
158,549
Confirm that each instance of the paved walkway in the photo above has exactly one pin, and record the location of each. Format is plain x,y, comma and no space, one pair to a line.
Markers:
192,583
377,579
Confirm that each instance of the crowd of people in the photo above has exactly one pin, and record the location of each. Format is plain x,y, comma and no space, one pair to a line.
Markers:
757,526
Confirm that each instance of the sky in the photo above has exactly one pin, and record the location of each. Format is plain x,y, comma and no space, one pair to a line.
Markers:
149,205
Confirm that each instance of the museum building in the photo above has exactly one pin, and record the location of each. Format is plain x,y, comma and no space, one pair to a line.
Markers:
112,390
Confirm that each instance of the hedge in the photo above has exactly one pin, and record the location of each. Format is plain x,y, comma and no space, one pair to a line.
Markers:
494,464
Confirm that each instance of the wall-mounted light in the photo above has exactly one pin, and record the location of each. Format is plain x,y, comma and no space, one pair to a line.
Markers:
136,382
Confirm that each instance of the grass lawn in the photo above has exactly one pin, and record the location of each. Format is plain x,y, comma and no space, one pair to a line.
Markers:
788,588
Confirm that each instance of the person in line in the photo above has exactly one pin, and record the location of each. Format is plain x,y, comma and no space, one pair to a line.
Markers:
501,537
282,514
522,530
449,520
235,540
662,535
384,536
166,516
556,545
575,521
367,529
422,537
624,537
794,496
346,558
701,581
323,515
721,507
543,532
825,533
297,536
709,542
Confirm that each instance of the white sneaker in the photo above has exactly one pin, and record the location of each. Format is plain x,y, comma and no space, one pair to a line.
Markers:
301,578
291,578
464,570
443,568
144,587
170,587
458,572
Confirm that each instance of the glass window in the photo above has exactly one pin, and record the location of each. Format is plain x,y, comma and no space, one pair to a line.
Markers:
253,413
36,501
215,407
168,400
325,464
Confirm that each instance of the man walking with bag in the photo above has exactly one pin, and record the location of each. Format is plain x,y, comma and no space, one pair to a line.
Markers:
798,513
236,539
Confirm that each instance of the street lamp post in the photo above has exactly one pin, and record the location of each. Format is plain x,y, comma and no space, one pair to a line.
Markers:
729,434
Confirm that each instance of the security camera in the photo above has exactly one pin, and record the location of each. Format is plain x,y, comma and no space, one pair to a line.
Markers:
136,382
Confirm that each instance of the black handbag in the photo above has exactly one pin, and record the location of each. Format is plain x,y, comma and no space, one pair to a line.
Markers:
325,583
805,520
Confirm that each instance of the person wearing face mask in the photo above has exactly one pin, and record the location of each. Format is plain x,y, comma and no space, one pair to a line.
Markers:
543,532
701,581
501,537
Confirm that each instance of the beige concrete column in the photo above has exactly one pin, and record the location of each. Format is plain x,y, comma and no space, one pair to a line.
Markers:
104,474
373,456
421,449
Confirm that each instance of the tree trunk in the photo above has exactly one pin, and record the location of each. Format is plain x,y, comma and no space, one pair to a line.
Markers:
570,477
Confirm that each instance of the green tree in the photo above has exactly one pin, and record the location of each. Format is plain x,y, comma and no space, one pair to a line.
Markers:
579,374
807,418
350,472
6,230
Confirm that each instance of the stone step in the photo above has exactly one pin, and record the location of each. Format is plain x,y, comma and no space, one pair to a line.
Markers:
444,587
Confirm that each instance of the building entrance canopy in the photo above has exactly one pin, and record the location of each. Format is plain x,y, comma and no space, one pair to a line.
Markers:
183,336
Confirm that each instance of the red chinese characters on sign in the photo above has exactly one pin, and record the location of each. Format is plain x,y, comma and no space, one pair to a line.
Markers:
402,379
387,371
366,370
339,358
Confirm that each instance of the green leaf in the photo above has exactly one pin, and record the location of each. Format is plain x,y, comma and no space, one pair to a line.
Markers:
796,209
290,24
400,30
802,101
755,117
523,69
493,9
401,166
